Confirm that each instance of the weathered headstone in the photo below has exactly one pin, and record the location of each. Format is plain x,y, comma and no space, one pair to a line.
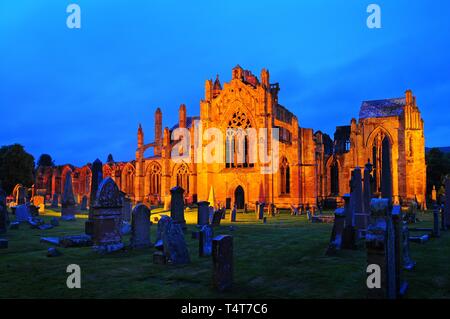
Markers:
203,213
386,173
22,213
205,241
397,222
68,206
211,214
222,252
96,179
106,217
233,214
84,202
55,201
261,210
140,227
177,206
407,262
380,244
337,232
348,237
175,247
217,217
360,217
126,209
367,188
162,225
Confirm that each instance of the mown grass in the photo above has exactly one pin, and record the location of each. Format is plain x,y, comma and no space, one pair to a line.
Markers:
284,258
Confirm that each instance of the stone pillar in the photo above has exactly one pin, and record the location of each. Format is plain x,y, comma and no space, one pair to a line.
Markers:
140,227
380,244
106,216
203,213
357,201
222,262
96,179
177,206
68,207
205,241
348,238
367,189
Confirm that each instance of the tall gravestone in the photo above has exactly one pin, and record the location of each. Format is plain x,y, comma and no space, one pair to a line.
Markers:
348,237
386,172
126,209
175,248
233,214
337,232
407,262
380,244
21,194
68,206
140,227
3,212
96,179
84,202
162,225
177,206
203,213
106,217
222,252
397,222
260,211
360,216
367,188
55,201
205,241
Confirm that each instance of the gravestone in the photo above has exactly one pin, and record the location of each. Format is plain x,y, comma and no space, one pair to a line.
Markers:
140,227
84,202
55,201
233,214
397,222
217,217
175,248
211,214
222,251
360,217
348,237
39,201
106,217
126,209
162,225
447,203
367,188
203,213
21,194
261,210
380,244
96,179
22,213
386,173
68,207
177,206
205,241
336,233
407,262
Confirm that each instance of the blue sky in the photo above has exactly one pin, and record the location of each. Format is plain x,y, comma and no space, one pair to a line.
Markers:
80,94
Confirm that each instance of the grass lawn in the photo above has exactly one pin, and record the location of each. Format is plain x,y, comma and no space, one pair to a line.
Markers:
284,258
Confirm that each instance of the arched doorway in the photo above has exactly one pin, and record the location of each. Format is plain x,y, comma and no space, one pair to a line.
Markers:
239,197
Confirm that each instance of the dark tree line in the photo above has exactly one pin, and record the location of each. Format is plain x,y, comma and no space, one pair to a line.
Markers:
16,167
438,168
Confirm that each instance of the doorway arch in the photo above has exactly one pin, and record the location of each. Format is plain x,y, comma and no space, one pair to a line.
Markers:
239,197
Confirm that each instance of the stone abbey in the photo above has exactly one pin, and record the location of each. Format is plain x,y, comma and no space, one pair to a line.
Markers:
313,168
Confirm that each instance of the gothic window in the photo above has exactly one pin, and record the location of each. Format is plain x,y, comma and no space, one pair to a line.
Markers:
285,177
237,142
155,179
334,172
183,178
128,182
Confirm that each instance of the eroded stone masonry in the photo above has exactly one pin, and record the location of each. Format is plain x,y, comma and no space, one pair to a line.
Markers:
313,168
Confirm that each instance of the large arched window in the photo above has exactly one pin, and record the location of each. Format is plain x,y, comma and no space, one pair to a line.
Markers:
285,177
183,178
378,153
237,142
128,180
155,179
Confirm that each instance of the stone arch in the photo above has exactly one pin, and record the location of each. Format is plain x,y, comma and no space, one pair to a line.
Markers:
127,179
333,167
285,176
181,175
376,152
153,174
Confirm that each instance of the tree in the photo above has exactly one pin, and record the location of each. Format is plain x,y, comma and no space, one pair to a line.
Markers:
45,160
438,167
16,167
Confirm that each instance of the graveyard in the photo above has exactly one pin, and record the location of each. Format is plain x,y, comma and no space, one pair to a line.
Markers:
282,258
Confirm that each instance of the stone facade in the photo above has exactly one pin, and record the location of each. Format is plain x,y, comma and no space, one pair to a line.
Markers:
312,166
